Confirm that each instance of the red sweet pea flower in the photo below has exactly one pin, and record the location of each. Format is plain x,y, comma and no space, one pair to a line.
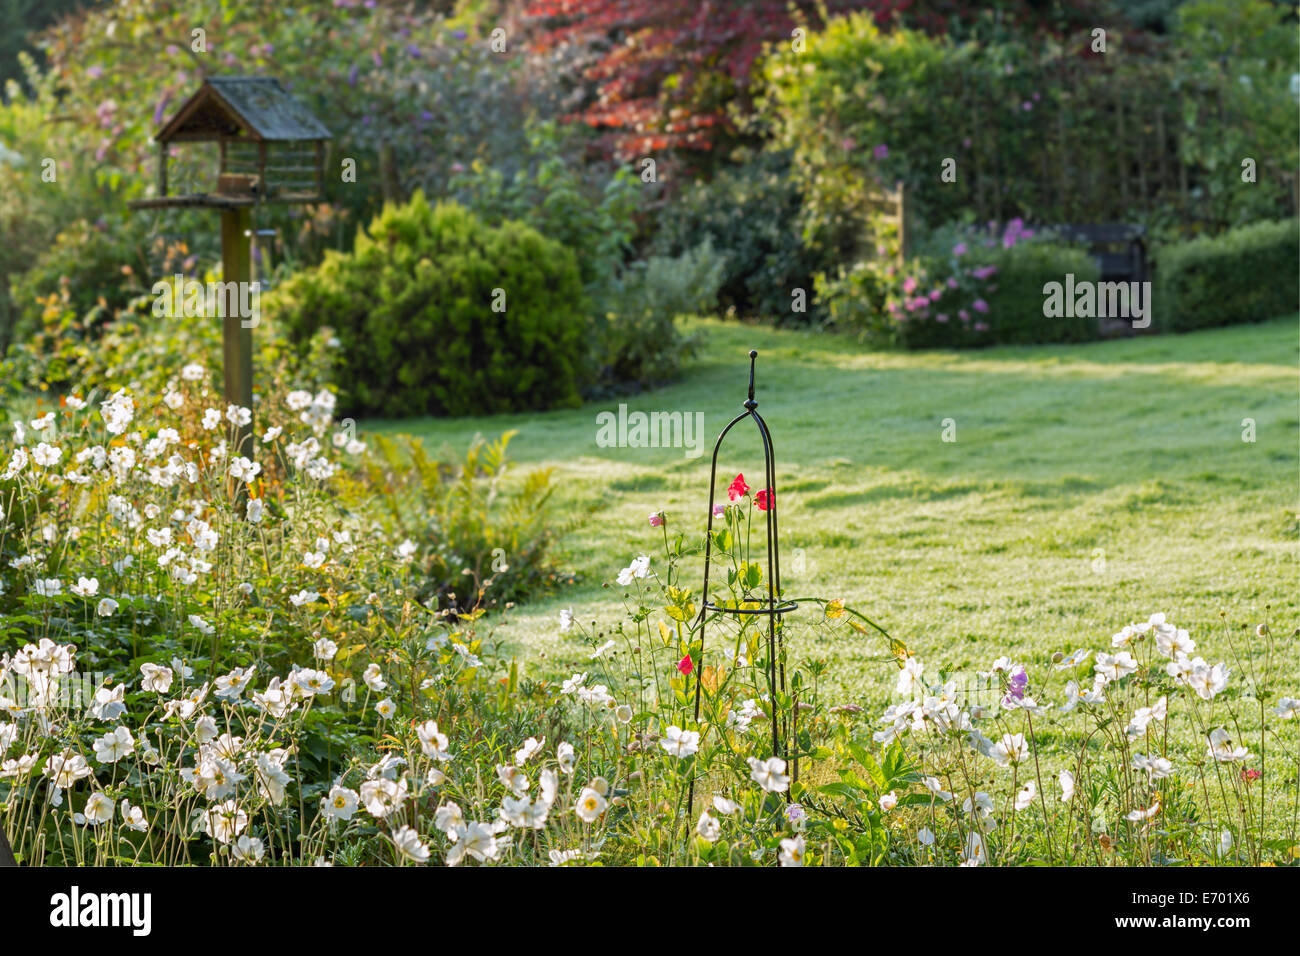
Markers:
738,488
685,665
764,499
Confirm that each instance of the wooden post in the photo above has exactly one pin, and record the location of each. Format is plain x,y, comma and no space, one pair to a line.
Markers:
236,338
162,169
900,208
320,168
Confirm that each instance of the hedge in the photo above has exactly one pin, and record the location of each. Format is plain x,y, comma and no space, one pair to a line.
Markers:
1247,274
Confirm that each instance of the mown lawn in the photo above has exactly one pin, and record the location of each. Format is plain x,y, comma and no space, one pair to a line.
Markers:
1088,486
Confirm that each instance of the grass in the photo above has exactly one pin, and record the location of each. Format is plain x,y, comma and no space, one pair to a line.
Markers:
1088,486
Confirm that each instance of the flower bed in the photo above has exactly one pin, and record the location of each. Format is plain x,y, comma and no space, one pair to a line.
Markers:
214,661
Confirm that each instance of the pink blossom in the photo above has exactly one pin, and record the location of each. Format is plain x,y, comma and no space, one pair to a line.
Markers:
979,305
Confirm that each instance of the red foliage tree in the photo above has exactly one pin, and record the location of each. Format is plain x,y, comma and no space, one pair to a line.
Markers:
661,73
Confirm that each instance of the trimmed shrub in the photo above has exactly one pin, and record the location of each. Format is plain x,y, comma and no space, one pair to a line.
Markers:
413,309
962,290
1247,274
1015,293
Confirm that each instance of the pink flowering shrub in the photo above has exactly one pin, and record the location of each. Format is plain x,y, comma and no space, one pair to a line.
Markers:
965,288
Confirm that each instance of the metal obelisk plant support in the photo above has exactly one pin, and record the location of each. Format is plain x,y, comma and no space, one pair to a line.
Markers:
773,607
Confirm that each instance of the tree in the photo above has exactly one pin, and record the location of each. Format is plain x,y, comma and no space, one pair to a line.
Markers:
656,75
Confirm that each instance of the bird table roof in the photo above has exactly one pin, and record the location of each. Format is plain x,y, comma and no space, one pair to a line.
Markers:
255,107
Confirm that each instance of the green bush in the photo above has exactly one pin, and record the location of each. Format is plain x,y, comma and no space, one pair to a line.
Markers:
1015,293
639,339
1247,274
962,290
413,308
751,214
101,265
1246,52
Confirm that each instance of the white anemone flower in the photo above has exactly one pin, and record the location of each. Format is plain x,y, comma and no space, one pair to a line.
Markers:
410,846
707,827
769,774
224,821
99,809
680,743
1011,749
1066,780
374,678
1222,750
590,806
115,745
1025,796
341,804
792,852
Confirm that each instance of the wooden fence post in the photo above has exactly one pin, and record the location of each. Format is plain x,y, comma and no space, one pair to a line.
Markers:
900,210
